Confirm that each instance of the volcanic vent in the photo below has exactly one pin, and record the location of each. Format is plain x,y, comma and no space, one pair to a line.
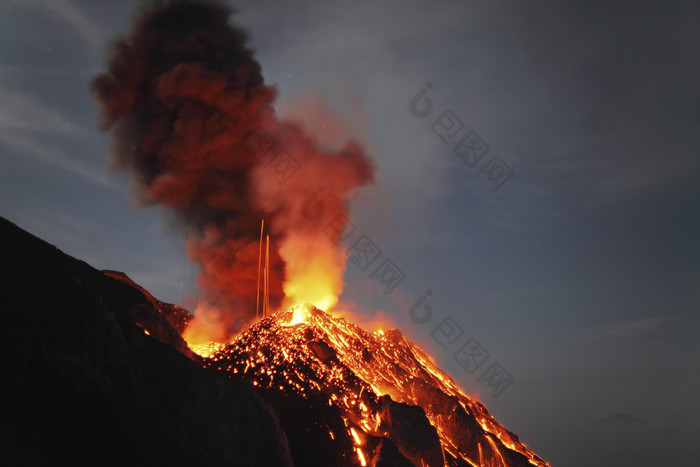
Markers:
346,396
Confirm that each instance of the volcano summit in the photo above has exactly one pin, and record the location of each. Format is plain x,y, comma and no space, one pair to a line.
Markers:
346,396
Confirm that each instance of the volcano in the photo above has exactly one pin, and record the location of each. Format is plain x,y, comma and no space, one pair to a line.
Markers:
346,396
97,373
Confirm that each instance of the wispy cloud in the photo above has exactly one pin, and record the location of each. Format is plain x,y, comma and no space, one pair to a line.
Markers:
625,329
52,156
17,73
620,418
22,112
76,19
24,125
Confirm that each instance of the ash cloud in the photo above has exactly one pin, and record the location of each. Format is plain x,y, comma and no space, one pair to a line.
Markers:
193,124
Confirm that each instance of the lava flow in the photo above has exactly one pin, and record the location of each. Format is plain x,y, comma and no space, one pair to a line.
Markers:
366,395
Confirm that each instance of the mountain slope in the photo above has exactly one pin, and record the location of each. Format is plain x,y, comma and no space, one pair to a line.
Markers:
83,384
357,397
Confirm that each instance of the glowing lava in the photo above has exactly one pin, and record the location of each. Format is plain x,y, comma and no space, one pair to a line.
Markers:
206,328
314,267
300,313
305,353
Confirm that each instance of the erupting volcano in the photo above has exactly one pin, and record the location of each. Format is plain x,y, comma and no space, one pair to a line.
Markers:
100,376
350,397
194,125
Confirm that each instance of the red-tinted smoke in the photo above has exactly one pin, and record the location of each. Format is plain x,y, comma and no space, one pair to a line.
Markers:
194,124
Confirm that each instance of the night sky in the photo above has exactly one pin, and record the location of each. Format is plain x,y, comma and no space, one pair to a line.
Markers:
544,189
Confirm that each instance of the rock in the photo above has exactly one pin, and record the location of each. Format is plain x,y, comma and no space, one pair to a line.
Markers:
384,453
411,431
176,316
322,350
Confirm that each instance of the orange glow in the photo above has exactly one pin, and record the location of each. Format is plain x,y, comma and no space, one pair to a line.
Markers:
257,293
314,269
206,350
300,314
354,434
497,451
378,321
205,326
361,456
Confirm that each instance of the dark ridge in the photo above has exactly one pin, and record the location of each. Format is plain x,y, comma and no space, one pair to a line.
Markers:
84,385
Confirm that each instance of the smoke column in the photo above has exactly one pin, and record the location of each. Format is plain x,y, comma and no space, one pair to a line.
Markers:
194,126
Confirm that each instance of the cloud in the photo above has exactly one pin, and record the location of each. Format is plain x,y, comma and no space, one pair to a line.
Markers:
17,73
76,19
618,165
22,112
675,418
25,123
620,419
28,145
625,329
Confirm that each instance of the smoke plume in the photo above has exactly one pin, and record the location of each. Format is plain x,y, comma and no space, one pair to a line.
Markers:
193,124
